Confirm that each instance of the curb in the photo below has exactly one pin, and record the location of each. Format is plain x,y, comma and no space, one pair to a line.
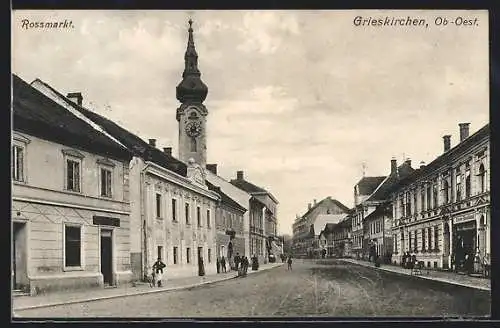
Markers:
422,277
144,292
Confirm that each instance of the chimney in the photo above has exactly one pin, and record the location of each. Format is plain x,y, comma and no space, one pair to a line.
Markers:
315,202
422,164
167,151
446,141
75,97
394,166
309,206
408,162
464,131
212,168
239,175
152,142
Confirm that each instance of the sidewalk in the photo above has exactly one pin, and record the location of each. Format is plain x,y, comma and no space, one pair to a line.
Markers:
88,295
442,276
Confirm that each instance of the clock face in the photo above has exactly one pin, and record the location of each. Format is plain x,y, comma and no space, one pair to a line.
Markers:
193,129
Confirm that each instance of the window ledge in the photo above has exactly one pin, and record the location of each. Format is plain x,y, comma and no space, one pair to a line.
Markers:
76,268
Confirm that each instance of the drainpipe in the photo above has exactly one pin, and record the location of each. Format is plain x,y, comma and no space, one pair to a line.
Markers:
144,254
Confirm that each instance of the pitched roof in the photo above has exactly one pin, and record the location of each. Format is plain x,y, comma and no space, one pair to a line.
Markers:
38,115
443,158
323,219
251,188
135,144
336,202
378,211
226,200
384,189
367,185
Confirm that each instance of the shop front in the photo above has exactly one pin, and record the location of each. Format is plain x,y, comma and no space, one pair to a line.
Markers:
465,244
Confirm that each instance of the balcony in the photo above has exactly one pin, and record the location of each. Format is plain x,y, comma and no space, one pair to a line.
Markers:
256,230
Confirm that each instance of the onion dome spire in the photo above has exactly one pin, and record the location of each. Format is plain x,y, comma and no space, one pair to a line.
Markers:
191,88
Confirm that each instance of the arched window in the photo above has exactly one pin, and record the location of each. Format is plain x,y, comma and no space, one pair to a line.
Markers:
482,179
193,145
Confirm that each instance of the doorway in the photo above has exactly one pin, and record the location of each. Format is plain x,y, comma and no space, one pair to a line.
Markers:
19,256
107,257
201,265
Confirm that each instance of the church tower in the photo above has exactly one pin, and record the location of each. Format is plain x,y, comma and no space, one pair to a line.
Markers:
192,114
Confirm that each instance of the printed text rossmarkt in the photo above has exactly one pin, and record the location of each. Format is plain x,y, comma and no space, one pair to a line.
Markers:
27,24
414,21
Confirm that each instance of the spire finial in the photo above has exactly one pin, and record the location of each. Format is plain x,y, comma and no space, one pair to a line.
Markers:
190,21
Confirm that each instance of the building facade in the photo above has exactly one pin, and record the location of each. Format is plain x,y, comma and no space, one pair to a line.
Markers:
342,243
70,199
371,221
229,223
241,241
306,228
442,212
263,208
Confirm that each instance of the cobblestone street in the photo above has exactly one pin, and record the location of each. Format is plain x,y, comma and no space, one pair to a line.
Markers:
332,288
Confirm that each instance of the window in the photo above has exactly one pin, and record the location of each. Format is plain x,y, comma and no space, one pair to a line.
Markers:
198,216
72,247
446,192
423,239
458,187
106,182
160,252
467,183
436,238
408,204
429,238
482,179
434,195
410,235
222,251
18,163
208,218
72,175
175,255
174,209
415,201
186,211
188,255
422,199
158,205
428,197
209,255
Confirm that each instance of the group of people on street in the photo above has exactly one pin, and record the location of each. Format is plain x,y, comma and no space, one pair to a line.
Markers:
221,265
409,260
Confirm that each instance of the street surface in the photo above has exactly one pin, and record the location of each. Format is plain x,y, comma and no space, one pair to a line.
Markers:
312,288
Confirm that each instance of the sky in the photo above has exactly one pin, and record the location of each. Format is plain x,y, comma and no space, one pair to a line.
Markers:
300,101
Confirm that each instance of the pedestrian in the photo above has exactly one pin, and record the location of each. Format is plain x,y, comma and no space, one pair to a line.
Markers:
218,265
255,263
223,263
244,266
237,260
158,267
289,263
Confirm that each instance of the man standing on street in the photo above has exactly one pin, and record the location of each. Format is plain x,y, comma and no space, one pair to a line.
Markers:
223,263
158,270
289,263
236,261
